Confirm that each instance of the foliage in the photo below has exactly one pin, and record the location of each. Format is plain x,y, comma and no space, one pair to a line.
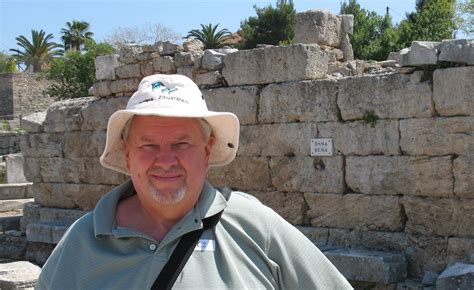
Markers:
272,26
209,36
36,54
7,63
370,118
75,34
374,36
73,74
147,34
465,17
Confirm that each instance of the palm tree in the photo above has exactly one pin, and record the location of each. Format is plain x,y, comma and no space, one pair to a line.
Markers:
37,53
209,35
75,34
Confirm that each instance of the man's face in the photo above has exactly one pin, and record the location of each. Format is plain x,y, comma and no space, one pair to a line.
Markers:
167,159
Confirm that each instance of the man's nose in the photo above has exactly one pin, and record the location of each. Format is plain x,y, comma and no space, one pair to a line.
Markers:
165,158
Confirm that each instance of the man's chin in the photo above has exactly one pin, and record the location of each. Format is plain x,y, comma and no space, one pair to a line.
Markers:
168,196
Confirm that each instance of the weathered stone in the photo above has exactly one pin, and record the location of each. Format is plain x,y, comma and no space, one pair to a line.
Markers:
299,101
33,123
147,69
124,86
18,275
459,249
186,71
275,64
69,195
170,49
347,23
212,60
276,139
243,174
164,64
193,44
439,136
183,59
457,50
453,91
156,47
339,67
377,240
242,101
128,71
334,54
351,211
145,56
102,89
84,143
105,66
369,266
464,176
97,174
211,78
31,213
318,26
290,205
46,232
308,174
198,59
14,169
421,53
13,190
396,56
128,54
387,96
38,252
12,247
59,214
439,217
97,113
42,144
423,176
430,278
65,115
361,138
458,276
318,236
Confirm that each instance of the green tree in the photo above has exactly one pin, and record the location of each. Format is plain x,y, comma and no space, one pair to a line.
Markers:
75,34
209,36
271,25
7,63
374,36
73,74
465,17
39,52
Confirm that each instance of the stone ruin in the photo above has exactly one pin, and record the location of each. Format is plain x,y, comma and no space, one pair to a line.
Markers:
392,208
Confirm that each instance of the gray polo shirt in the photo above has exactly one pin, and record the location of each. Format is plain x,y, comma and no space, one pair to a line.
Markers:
252,247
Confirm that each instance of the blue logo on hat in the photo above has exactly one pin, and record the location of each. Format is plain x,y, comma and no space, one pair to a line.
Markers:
161,86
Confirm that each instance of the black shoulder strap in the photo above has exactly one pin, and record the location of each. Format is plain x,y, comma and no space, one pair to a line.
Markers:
183,251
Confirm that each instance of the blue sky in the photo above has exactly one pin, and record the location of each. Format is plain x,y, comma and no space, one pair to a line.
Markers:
18,17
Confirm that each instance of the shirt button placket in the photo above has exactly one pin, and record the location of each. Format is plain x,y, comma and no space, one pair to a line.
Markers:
152,247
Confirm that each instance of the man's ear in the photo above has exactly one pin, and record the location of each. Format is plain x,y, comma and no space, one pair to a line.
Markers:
127,153
209,145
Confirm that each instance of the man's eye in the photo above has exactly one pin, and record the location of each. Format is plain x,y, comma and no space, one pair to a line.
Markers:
181,145
148,146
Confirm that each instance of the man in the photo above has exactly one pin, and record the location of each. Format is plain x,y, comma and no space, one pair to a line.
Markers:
165,140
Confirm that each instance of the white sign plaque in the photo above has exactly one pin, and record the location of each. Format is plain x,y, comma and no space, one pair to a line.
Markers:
321,147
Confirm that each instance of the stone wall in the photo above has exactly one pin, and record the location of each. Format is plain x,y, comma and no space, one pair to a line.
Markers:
9,142
398,185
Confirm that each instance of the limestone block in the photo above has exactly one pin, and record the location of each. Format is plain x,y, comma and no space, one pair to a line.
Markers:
40,232
170,49
464,176
453,91
299,101
145,56
147,69
388,96
184,59
18,275
128,71
69,195
102,89
347,23
318,26
360,138
67,216
155,47
358,211
42,144
244,173
84,143
14,169
457,50
211,78
38,252
422,176
186,71
164,64
124,86
319,236
97,113
32,169
369,266
439,217
308,174
242,101
33,123
290,205
12,247
13,191
105,66
430,278
377,240
277,139
425,254
438,136
54,169
97,174
128,54
459,249
193,44
31,213
65,115
458,276
275,64
421,53
198,59
212,58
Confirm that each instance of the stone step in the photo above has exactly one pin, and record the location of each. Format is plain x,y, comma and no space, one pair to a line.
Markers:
18,275
369,266
14,191
10,221
46,232
13,204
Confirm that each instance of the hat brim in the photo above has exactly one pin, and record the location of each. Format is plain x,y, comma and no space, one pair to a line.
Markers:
225,129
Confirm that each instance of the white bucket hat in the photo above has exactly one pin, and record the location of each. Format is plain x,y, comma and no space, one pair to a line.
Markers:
171,96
